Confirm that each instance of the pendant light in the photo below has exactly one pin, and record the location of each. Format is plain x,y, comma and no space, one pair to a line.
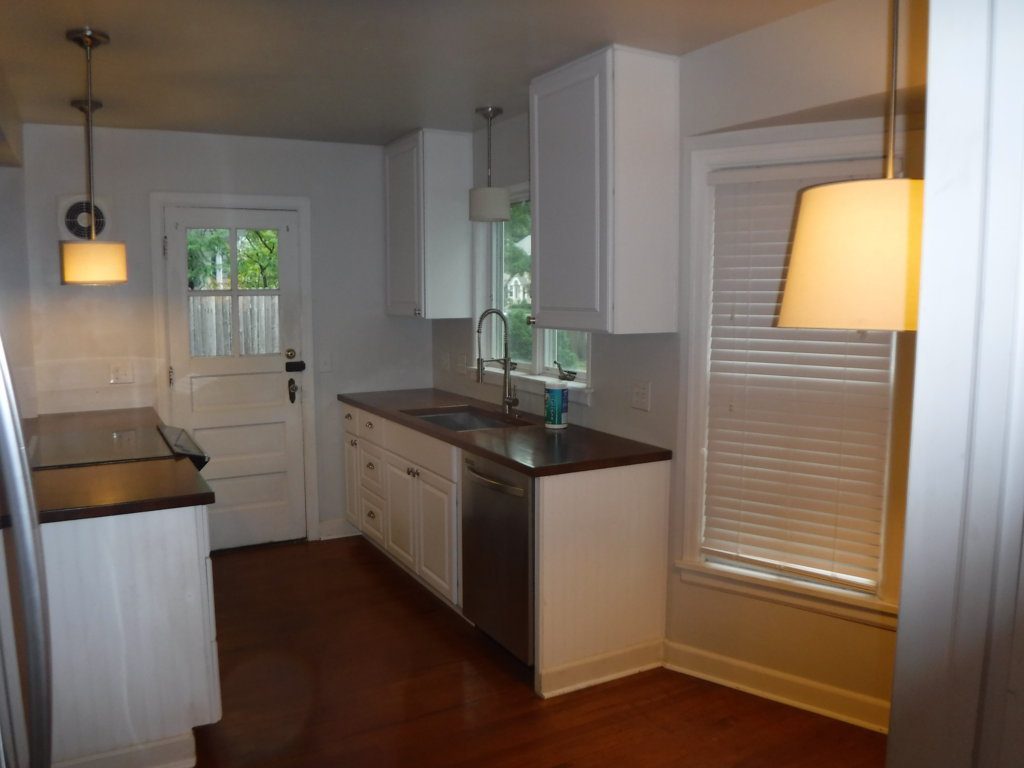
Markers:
91,262
856,254
489,203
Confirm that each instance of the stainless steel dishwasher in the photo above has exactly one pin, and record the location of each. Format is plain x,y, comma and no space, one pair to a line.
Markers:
497,553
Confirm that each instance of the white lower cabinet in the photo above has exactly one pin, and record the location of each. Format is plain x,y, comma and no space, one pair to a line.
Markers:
352,508
373,511
401,493
437,505
400,487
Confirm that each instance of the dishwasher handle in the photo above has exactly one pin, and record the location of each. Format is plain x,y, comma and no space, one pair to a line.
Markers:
510,490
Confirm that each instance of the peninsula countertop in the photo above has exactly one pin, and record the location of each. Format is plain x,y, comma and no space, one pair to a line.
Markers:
535,450
115,465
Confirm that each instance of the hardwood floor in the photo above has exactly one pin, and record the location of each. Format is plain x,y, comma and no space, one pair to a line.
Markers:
330,655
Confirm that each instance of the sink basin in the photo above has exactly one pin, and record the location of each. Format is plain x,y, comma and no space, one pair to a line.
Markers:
464,418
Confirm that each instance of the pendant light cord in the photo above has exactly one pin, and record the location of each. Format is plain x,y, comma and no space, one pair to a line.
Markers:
490,119
890,150
88,139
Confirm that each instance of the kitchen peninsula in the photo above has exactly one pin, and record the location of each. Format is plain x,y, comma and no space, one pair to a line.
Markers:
599,529
124,532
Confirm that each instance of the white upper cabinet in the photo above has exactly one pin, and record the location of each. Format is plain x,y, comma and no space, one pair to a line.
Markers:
604,185
427,177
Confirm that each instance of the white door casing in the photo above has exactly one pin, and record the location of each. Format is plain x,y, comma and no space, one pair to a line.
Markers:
237,405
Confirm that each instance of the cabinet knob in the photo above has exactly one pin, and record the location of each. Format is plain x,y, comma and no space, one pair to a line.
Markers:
417,312
348,417
369,425
371,466
353,443
371,514
415,473
408,471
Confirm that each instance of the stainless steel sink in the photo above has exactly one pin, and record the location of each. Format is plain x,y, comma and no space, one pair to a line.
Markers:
464,418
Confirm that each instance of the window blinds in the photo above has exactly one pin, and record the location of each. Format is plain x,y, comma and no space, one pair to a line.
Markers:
798,420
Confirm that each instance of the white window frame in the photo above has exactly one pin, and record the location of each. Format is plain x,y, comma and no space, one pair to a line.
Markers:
855,140
543,338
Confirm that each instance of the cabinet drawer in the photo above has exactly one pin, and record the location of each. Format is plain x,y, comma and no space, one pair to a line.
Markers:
371,427
350,418
371,467
424,451
372,511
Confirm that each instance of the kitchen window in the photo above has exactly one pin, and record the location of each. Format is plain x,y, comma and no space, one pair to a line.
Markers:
791,427
534,350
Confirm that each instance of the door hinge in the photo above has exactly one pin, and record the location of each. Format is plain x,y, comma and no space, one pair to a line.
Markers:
165,247
170,376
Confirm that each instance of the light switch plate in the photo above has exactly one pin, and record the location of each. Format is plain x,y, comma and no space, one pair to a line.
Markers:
640,395
121,372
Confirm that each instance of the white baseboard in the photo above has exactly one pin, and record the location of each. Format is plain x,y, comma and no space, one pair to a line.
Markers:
175,752
336,528
838,703
599,669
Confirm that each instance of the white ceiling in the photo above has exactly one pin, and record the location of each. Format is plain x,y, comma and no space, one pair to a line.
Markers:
361,71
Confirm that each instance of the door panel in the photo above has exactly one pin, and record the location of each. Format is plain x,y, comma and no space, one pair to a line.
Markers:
400,533
437,540
233,306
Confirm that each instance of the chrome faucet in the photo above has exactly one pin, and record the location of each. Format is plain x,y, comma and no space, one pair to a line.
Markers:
508,390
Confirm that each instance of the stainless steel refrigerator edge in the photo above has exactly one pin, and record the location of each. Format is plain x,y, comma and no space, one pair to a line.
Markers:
25,693
498,554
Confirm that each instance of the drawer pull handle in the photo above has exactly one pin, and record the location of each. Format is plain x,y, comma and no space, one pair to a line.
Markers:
371,466
348,417
415,473
353,443
408,471
371,514
369,425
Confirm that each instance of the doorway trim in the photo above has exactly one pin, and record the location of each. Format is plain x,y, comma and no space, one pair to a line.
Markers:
158,203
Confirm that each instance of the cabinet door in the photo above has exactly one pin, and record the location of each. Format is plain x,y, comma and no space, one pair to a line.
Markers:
352,509
400,531
437,533
403,168
571,195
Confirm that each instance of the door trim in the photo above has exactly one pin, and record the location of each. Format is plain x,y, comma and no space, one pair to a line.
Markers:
158,203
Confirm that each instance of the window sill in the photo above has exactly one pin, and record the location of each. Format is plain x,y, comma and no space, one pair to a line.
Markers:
777,589
580,392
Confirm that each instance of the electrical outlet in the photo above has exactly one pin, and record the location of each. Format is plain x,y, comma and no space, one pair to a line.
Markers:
121,372
640,395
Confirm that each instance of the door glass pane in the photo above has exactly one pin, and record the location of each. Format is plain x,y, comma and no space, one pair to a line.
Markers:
209,322
209,259
516,300
257,326
569,348
257,259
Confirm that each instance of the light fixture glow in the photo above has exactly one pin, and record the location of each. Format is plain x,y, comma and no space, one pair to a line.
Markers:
856,256
489,203
91,262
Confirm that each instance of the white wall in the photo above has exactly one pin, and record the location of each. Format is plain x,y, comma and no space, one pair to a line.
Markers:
15,314
78,331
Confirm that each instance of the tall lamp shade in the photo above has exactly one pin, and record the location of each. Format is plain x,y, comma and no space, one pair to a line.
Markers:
488,204
93,262
856,256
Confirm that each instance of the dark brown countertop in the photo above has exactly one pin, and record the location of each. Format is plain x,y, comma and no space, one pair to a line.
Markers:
112,488
534,450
